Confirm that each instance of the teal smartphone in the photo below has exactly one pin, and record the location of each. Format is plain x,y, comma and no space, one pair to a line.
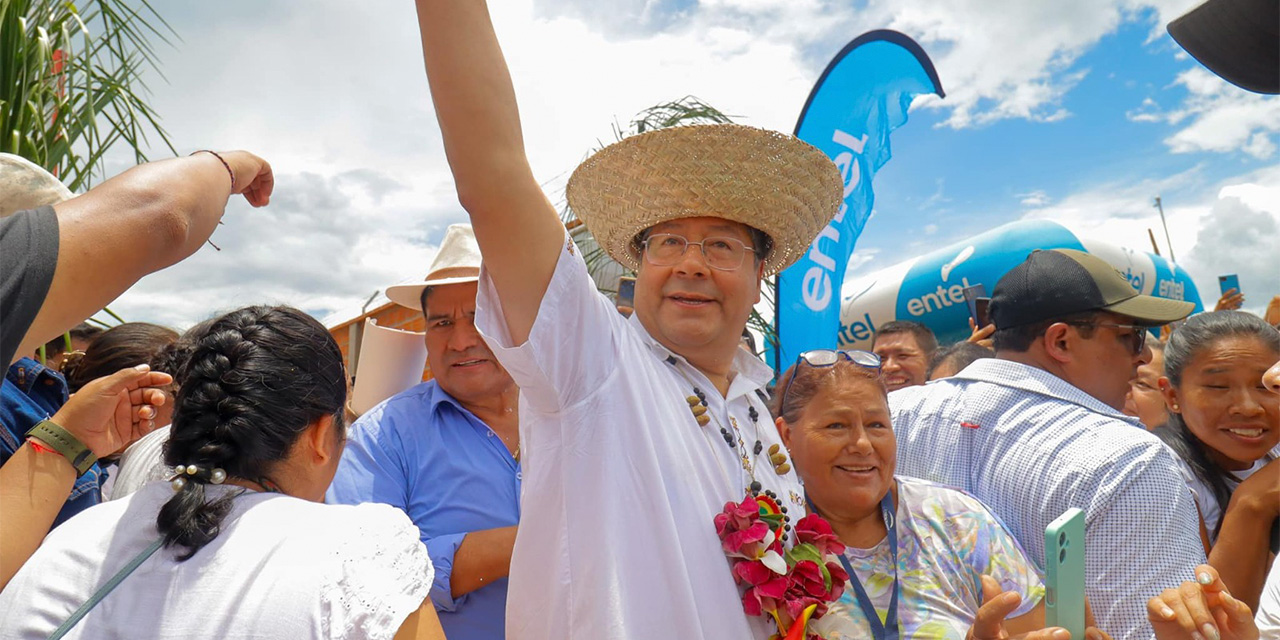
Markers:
1229,282
1064,573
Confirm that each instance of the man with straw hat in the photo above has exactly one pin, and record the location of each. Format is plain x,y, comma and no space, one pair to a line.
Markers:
447,451
635,431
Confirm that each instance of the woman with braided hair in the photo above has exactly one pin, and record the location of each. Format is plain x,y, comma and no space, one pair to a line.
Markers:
237,543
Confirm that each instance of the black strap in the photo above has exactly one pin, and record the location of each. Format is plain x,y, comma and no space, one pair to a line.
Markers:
105,589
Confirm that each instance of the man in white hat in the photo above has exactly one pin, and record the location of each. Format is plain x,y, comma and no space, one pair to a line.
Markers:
636,431
447,451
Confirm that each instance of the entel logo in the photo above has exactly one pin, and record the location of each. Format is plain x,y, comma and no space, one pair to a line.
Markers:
815,288
1172,290
933,301
1136,280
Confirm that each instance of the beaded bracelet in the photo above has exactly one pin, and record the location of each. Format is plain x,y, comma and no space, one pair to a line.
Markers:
224,163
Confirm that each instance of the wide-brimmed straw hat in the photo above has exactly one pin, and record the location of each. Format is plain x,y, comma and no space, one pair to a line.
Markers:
457,261
773,182
25,185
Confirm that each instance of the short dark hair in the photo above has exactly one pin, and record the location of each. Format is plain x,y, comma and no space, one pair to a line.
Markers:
1019,338
924,335
83,331
122,346
761,243
959,355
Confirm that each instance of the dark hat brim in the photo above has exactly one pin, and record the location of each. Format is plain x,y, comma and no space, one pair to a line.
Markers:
1237,39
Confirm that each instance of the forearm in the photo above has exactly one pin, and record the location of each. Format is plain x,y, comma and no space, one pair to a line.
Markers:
1242,547
138,222
33,487
483,556
516,227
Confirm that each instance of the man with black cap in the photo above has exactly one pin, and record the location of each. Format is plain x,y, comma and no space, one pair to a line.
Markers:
1038,430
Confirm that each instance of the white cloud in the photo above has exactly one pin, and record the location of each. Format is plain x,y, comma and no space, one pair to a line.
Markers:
1216,116
334,95
1036,198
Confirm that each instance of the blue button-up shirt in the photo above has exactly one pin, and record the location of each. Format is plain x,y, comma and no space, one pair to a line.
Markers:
33,392
422,452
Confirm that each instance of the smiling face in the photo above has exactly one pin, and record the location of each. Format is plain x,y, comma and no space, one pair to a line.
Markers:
690,308
843,446
460,360
1224,402
903,362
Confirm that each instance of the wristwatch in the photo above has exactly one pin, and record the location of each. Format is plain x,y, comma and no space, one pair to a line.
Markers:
61,440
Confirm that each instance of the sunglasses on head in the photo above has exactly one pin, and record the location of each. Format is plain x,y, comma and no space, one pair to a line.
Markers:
822,358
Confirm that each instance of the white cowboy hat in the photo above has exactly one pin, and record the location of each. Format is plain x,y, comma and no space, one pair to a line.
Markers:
24,185
457,261
769,181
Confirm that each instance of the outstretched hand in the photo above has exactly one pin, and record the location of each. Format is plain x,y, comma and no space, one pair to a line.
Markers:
997,604
1201,609
111,412
253,176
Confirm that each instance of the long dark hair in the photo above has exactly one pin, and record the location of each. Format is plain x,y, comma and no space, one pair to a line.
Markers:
1197,334
122,346
255,380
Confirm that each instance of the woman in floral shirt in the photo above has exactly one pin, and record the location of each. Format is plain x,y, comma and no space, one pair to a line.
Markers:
833,415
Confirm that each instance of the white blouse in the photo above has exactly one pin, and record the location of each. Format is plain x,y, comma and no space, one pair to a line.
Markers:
282,567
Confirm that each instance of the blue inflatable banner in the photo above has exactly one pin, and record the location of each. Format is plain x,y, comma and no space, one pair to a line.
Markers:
862,96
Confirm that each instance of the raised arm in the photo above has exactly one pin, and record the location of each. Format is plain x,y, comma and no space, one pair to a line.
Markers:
516,227
138,222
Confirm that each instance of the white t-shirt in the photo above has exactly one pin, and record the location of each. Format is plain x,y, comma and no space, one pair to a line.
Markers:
1268,616
141,463
621,485
282,567
1210,510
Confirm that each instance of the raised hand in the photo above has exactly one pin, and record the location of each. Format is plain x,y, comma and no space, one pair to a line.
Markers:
1198,610
253,176
981,336
111,412
1230,300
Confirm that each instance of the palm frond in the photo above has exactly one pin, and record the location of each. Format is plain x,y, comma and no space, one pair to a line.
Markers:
72,82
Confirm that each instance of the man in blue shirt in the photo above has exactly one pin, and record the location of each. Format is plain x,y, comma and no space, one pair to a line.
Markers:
447,451
32,392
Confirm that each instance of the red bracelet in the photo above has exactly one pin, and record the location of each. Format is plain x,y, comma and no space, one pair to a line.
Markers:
224,163
41,447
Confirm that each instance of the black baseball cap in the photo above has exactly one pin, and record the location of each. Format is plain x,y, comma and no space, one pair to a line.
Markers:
1054,283
1237,39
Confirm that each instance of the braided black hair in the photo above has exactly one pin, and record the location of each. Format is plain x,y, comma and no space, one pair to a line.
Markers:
255,379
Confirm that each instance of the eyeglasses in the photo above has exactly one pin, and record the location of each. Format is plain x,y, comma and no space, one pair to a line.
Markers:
822,358
722,254
1136,341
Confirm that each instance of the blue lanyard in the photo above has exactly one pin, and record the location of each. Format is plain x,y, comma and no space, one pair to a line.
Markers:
888,629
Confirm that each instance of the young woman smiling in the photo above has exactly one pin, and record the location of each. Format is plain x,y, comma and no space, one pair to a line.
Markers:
1225,426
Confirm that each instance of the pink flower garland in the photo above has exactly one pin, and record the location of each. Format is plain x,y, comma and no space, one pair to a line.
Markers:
791,585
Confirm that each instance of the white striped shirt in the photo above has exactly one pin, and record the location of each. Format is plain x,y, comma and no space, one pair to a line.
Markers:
1030,446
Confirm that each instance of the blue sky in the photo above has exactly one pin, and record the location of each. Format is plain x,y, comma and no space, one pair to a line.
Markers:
1079,112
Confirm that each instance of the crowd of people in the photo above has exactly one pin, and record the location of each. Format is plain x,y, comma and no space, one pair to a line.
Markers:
573,471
